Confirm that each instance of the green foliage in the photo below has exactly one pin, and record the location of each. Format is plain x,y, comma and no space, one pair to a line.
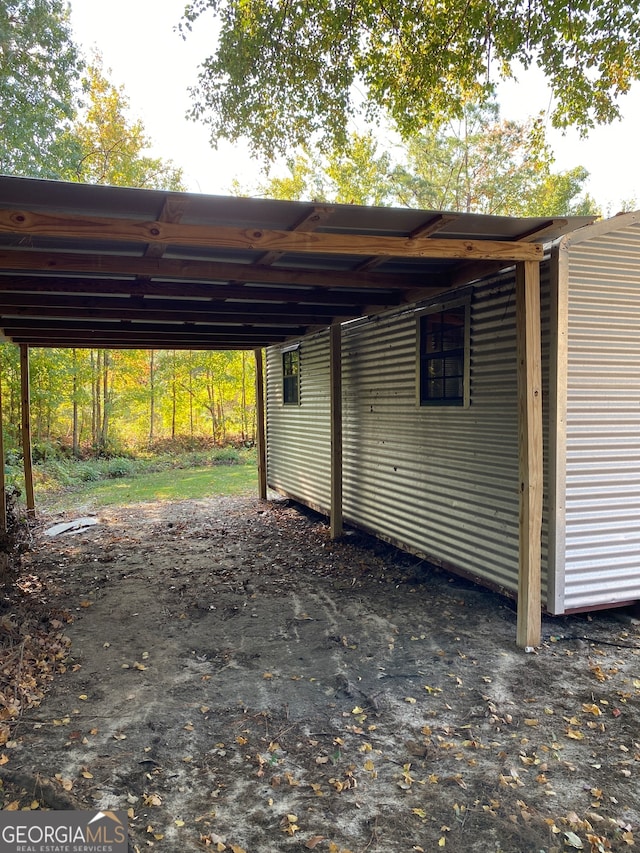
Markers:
155,485
110,145
200,401
39,69
285,73
480,164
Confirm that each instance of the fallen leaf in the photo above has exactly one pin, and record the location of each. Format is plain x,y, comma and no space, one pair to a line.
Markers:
314,841
573,841
574,735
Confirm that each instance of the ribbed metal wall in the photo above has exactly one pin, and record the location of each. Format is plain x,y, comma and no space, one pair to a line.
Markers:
602,560
440,481
298,437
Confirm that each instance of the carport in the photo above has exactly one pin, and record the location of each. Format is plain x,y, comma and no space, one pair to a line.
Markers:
93,266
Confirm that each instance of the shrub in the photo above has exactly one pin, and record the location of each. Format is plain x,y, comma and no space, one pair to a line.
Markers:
121,467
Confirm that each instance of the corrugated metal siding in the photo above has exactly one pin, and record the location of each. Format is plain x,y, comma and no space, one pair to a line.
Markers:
298,437
440,481
602,561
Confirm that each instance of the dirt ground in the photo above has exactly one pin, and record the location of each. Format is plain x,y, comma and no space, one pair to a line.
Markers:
236,681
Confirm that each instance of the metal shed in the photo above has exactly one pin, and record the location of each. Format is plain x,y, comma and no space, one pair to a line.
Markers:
440,480
116,267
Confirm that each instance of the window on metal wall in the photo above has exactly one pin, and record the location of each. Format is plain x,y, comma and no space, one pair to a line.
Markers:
291,377
443,352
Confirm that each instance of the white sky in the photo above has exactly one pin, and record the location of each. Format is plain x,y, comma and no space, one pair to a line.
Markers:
138,42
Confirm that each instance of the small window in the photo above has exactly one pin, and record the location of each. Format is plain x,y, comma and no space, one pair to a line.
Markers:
443,353
291,377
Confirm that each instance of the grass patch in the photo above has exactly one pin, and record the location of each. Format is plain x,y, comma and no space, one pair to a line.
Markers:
171,484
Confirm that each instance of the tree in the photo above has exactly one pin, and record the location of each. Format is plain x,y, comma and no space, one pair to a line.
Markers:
478,165
111,147
39,69
358,174
483,164
286,72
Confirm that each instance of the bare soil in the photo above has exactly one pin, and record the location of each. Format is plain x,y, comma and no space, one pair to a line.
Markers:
237,681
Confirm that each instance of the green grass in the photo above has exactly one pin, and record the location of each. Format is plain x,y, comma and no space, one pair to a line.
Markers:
175,484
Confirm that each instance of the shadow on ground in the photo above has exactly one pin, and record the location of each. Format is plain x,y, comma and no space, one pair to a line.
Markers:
236,681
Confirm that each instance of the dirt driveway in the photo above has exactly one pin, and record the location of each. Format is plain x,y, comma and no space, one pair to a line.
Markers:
238,682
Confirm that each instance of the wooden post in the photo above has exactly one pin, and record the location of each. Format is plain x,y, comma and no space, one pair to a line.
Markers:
3,492
335,358
26,429
261,443
529,622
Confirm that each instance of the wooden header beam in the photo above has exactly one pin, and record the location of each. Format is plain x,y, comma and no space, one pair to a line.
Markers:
261,240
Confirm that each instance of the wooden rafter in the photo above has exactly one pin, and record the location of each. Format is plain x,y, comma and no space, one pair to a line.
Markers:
100,264
146,287
309,222
431,226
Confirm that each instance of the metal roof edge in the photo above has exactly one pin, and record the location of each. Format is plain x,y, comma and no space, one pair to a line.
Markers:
598,228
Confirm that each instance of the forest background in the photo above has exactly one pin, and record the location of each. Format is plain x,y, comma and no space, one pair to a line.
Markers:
63,118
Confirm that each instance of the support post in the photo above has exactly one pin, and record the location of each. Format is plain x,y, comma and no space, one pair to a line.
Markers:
529,621
3,492
261,443
25,398
335,358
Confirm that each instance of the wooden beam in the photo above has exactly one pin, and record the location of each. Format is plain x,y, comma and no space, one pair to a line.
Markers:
261,436
312,220
110,343
431,226
3,487
262,332
216,313
27,458
197,270
173,289
529,620
152,305
173,209
335,369
25,222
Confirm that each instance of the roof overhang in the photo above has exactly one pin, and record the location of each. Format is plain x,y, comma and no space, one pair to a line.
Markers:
113,267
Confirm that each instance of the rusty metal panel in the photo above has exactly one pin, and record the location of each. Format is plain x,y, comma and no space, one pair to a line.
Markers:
602,516
299,436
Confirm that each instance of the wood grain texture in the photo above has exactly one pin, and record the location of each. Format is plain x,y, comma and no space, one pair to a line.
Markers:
261,240
529,619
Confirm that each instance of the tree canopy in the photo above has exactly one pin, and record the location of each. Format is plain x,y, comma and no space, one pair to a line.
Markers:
284,72
481,164
39,69
109,146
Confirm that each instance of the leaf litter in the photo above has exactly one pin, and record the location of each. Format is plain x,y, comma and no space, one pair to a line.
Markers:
236,681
